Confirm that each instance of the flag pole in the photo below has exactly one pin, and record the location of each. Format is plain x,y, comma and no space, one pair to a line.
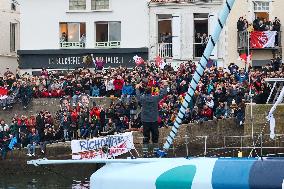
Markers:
250,95
249,59
223,15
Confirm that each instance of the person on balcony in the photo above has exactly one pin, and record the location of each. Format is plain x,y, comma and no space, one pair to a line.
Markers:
276,27
204,41
198,38
240,24
262,26
63,37
168,38
83,39
256,23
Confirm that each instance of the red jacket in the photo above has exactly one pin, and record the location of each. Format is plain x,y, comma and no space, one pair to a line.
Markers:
207,113
95,112
118,84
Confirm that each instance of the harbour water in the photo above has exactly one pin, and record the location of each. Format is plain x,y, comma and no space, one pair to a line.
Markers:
47,181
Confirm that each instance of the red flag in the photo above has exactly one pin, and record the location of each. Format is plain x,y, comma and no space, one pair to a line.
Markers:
138,60
244,57
158,61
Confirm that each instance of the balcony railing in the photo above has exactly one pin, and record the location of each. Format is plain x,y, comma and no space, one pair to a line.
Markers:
165,50
72,45
108,44
185,1
243,41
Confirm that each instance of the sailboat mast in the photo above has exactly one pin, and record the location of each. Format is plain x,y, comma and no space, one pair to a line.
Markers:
223,15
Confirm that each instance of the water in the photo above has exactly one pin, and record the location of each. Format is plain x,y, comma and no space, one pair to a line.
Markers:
48,181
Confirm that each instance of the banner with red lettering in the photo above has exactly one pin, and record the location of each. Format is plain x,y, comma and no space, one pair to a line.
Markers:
262,39
102,147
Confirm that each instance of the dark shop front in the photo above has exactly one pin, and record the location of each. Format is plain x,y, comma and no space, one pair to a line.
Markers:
79,58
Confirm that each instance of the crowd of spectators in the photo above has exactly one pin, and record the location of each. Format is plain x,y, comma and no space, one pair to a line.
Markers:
259,24
221,93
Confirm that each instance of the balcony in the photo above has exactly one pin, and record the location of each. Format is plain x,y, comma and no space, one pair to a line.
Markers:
185,1
243,42
71,45
165,50
108,44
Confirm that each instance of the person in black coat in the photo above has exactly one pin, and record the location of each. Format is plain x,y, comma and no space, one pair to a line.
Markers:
40,125
25,93
47,138
150,113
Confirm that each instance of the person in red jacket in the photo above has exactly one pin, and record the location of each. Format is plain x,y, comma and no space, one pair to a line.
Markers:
118,84
74,124
206,113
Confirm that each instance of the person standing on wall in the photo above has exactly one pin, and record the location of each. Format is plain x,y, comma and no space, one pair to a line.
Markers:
149,113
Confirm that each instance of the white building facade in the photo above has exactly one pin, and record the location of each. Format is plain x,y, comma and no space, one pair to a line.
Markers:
63,33
9,35
250,10
184,22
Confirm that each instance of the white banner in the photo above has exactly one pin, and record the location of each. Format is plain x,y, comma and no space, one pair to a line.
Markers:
265,39
93,149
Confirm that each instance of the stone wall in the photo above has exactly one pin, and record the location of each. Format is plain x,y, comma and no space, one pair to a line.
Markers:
50,104
259,124
214,130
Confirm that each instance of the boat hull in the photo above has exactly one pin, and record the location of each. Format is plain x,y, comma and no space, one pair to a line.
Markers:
195,173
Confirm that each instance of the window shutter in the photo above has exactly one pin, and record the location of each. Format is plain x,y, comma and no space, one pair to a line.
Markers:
212,21
176,32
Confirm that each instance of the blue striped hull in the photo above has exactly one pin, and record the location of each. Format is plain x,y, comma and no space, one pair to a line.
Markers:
195,173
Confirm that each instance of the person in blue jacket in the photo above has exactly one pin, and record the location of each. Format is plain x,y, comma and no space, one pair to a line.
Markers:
33,141
127,91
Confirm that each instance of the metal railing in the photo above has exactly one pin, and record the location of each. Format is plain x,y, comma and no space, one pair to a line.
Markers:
72,45
263,140
165,50
108,44
185,1
243,40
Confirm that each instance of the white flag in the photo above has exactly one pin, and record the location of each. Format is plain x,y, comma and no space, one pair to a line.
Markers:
270,116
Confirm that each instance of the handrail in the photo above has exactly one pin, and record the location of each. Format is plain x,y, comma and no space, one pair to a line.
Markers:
243,40
165,50
72,45
107,44
185,1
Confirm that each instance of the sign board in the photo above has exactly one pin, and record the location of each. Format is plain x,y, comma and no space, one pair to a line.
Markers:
103,147
79,58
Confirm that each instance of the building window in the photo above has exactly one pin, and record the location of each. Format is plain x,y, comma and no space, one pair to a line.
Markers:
77,4
72,35
108,34
261,6
200,33
13,37
100,4
165,35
